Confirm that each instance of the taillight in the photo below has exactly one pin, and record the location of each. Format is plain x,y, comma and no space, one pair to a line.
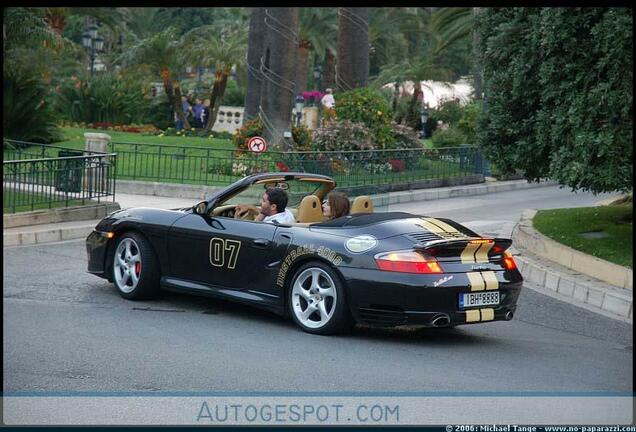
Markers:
508,261
407,262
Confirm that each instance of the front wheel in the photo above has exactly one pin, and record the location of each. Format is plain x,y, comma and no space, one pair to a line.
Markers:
135,268
317,300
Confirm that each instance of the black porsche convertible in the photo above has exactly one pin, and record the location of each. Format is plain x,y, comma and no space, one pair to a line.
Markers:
380,269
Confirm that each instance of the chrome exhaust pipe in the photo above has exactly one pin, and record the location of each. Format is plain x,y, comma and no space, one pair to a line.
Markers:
440,321
509,315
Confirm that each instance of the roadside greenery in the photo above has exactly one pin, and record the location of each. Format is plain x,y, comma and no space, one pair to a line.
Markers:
559,86
612,224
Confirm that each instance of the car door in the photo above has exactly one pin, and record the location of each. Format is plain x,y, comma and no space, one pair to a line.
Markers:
219,251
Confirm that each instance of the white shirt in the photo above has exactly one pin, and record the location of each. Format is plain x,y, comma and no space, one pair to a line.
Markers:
328,101
285,218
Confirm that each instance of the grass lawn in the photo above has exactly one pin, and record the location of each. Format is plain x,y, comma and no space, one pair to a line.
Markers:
613,223
40,201
74,139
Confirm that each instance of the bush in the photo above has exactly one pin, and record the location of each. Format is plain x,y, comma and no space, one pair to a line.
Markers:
369,107
451,137
28,115
405,138
234,95
302,138
468,122
449,111
250,129
342,135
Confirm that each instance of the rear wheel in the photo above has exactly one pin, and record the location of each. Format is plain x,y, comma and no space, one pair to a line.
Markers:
135,268
317,300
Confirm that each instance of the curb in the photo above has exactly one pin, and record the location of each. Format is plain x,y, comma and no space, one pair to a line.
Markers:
168,190
591,295
528,238
65,214
48,235
386,199
565,283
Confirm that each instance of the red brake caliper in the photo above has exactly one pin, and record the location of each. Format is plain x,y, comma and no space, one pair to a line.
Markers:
137,268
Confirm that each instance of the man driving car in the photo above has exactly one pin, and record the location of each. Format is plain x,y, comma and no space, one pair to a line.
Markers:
272,209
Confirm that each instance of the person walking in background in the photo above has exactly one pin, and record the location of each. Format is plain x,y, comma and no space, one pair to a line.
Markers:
336,205
205,114
198,112
186,109
328,103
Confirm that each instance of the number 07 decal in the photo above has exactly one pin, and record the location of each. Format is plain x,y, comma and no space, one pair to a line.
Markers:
219,248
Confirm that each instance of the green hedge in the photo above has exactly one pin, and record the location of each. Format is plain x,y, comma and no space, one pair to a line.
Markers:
559,91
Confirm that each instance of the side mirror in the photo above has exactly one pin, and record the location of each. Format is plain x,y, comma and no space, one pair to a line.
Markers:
201,208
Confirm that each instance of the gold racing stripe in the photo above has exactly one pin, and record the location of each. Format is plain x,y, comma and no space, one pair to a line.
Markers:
468,254
482,254
472,315
476,281
491,280
434,229
444,226
487,314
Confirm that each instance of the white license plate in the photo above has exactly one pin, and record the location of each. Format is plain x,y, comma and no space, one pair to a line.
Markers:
484,298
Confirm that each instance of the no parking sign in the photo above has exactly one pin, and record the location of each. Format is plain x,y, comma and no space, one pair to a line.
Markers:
257,144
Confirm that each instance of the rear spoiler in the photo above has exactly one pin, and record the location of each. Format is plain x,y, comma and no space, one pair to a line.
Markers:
469,250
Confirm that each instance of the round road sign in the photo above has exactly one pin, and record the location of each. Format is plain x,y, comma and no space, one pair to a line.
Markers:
257,144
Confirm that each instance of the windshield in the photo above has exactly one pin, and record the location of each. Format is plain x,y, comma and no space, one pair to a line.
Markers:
296,190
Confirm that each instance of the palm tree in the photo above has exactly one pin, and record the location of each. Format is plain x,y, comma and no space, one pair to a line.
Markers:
317,27
255,45
353,48
441,27
278,67
162,53
221,49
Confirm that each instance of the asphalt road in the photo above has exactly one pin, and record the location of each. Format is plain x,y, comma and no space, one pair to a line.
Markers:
66,330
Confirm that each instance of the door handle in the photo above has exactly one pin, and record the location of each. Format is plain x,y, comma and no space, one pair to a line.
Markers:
261,243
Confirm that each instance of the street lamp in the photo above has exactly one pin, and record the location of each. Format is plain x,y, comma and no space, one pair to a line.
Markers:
93,43
424,119
300,104
317,75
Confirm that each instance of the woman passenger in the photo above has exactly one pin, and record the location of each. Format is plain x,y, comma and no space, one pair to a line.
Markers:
336,205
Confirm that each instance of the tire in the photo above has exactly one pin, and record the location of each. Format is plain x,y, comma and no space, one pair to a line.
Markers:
135,268
317,300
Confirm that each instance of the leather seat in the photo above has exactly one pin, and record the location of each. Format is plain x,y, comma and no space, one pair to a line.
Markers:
362,204
309,210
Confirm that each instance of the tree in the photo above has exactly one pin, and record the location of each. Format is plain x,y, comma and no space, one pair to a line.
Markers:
255,45
163,53
352,65
559,92
278,67
218,48
317,25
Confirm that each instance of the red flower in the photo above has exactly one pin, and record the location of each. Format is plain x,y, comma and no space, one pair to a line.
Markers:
282,167
397,165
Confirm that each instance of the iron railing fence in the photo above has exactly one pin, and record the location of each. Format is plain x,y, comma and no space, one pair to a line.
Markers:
202,165
32,184
365,171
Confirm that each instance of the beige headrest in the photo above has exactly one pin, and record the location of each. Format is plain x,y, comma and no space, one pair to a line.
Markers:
362,204
309,210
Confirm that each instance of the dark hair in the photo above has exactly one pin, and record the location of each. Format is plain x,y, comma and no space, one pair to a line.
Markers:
277,196
339,204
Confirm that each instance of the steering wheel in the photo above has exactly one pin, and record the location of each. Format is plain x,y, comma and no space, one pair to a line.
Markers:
249,214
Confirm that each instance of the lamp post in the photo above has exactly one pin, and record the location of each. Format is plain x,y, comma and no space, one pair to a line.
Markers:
93,43
424,119
317,76
300,104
